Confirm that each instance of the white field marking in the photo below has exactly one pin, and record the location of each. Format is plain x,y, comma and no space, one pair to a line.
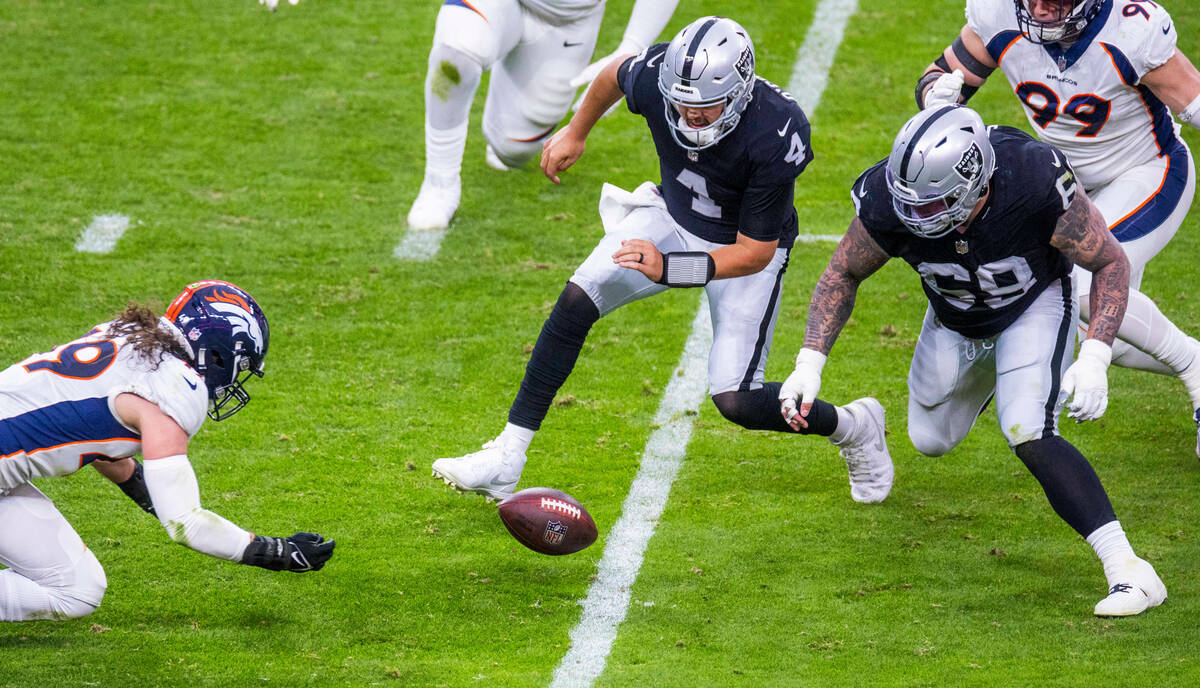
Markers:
608,598
420,244
817,238
102,234
814,59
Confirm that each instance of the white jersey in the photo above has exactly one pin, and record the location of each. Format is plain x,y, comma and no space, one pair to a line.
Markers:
562,11
1086,99
57,408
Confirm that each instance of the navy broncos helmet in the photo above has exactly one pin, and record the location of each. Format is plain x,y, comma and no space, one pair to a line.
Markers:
1069,19
228,335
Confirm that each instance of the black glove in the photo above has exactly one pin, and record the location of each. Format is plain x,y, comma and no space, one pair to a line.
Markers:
300,552
135,489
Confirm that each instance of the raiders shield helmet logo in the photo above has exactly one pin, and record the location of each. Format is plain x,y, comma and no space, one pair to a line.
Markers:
970,164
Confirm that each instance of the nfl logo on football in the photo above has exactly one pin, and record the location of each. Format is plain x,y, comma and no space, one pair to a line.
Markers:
555,531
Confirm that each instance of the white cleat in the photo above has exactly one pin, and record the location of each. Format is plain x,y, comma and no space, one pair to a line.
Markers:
493,161
435,204
1137,589
492,471
866,453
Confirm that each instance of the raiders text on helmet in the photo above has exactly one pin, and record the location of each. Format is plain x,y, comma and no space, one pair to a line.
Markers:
710,62
940,165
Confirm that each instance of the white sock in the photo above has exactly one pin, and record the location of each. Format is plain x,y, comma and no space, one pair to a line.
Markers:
845,426
517,437
1113,549
450,86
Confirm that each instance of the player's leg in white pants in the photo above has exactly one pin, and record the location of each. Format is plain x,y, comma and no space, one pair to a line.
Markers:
1144,208
950,381
51,574
529,92
467,40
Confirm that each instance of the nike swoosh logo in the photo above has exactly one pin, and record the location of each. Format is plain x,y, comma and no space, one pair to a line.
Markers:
1166,29
783,131
190,383
862,190
299,559
568,44
651,61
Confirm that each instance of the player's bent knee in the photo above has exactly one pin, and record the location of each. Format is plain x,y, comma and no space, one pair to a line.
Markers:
930,443
513,153
83,596
730,406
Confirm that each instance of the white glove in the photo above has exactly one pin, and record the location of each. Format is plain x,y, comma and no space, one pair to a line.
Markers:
589,74
945,90
1087,380
803,384
272,4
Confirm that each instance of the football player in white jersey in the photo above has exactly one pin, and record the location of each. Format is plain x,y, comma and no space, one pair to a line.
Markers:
136,384
1099,79
537,51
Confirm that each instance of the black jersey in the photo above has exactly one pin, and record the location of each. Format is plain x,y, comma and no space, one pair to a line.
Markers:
743,183
980,280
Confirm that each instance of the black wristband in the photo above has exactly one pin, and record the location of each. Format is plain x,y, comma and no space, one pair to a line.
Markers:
267,552
968,60
924,82
687,269
135,488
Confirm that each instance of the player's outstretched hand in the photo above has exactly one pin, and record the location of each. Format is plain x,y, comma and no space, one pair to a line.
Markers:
560,152
1087,381
297,553
272,4
640,255
802,386
945,90
589,74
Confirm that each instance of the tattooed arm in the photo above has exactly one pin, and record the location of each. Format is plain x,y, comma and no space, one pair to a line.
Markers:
854,260
1083,236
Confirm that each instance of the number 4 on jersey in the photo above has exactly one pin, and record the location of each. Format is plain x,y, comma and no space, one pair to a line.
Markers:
796,152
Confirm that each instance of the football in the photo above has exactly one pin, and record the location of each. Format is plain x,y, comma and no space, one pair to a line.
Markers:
548,521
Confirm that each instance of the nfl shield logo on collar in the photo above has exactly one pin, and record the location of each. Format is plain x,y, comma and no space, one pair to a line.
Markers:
693,156
960,246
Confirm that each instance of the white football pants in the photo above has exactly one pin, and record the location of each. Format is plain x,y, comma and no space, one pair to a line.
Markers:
51,574
743,309
953,377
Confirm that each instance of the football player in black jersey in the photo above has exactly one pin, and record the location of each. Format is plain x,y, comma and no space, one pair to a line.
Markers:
730,147
992,221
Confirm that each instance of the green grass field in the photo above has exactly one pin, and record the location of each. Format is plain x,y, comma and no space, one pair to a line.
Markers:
281,152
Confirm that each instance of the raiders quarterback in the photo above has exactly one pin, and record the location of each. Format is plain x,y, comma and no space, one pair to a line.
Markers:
1099,79
730,147
991,220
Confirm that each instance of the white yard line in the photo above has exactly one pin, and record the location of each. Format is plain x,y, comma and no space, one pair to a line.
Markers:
420,244
818,238
102,234
608,598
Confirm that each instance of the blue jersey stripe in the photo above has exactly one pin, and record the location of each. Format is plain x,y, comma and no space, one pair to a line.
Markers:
1000,43
1158,207
67,422
1122,63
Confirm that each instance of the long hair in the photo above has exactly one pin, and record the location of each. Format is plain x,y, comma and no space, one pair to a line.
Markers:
143,331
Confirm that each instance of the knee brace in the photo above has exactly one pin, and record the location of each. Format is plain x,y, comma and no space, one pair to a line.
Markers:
758,409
